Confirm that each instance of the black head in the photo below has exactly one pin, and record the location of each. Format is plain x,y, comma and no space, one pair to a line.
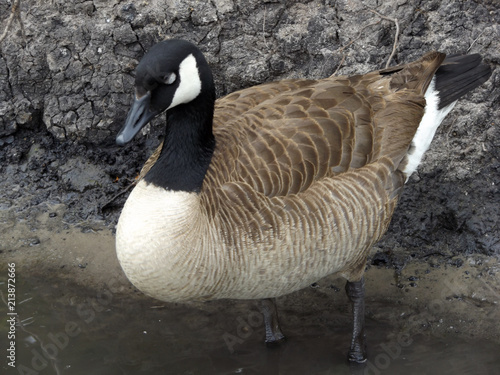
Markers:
172,73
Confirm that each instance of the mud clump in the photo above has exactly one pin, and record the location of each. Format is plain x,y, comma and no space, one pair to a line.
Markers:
40,172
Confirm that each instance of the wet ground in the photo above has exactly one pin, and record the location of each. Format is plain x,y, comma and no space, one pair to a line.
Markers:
77,314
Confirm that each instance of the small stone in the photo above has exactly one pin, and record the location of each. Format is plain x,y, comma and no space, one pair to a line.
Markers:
128,12
380,259
34,241
457,263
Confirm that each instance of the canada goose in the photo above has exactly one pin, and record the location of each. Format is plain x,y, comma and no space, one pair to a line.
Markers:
265,191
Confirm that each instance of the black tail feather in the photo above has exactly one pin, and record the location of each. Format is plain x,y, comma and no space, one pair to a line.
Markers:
458,75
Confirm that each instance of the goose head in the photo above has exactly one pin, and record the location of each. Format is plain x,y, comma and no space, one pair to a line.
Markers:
172,74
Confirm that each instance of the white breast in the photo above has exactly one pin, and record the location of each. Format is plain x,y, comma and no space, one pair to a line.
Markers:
155,240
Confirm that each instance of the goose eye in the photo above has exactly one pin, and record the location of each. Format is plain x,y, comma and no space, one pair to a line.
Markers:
168,79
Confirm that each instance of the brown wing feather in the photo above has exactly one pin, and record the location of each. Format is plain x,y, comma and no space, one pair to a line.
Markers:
281,137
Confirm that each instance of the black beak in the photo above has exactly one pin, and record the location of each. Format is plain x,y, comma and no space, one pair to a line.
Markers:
139,115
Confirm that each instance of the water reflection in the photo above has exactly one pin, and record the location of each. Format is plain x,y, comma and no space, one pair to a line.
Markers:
67,329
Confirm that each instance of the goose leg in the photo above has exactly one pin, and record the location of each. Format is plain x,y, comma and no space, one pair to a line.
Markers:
356,293
273,331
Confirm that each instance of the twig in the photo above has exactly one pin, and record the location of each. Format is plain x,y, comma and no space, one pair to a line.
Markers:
358,36
475,40
117,195
351,42
15,13
340,65
395,20
9,21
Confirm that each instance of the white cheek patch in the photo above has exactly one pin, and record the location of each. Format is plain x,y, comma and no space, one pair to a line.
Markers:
190,83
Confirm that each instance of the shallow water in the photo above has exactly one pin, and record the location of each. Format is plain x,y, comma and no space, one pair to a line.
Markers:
68,329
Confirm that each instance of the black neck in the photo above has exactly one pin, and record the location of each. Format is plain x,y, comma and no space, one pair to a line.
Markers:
188,146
